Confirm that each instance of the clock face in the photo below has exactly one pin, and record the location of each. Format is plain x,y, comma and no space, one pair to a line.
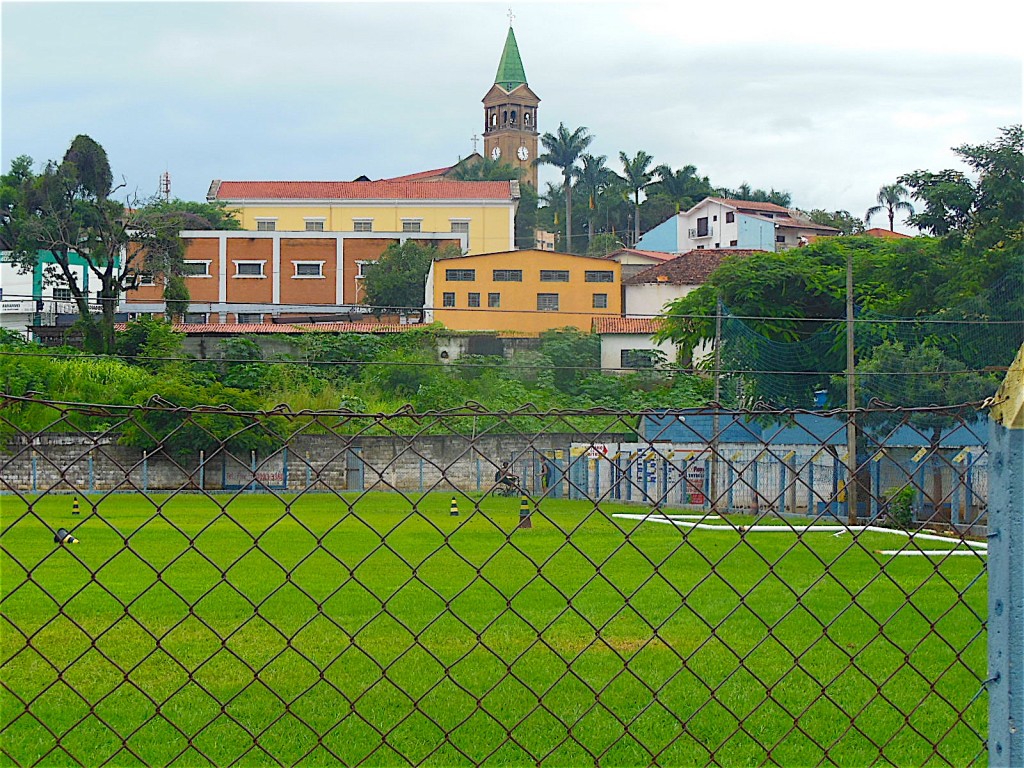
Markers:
495,153
522,153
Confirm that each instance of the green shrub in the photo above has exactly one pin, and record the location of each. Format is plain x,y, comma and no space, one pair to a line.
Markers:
899,507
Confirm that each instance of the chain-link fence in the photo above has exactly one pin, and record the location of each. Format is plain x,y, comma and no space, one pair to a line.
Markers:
202,586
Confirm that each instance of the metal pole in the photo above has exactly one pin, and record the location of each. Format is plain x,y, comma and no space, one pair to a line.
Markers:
202,469
1006,571
851,401
718,399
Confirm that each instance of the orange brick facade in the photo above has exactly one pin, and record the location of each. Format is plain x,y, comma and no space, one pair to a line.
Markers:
248,273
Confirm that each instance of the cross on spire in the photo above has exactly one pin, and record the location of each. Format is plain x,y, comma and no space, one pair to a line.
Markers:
474,139
511,16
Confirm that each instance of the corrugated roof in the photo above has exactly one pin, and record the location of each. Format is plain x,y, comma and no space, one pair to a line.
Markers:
751,205
659,255
642,325
364,190
690,268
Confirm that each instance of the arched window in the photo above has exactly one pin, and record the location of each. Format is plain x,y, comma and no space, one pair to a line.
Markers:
526,118
504,117
512,116
494,118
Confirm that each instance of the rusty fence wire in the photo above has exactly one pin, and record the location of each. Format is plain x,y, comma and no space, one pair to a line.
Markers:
203,586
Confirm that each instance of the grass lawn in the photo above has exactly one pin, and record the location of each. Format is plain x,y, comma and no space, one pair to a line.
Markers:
381,631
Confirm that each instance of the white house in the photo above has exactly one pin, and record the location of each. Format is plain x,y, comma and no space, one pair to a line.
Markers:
717,222
634,261
627,343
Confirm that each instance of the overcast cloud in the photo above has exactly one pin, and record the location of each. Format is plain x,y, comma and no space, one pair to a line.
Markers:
826,100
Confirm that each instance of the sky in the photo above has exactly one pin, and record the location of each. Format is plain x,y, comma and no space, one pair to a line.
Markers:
826,100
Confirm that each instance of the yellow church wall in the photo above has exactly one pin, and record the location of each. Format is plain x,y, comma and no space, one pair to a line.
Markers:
491,227
519,300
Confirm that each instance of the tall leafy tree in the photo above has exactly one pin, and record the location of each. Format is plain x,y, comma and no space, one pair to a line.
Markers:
890,200
399,277
68,211
638,174
745,192
682,186
844,221
564,148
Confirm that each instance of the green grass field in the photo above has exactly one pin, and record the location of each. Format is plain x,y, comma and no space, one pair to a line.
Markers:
391,633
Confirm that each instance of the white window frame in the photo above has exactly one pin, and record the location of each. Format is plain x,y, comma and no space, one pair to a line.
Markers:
321,220
239,320
262,222
464,222
361,265
367,222
547,299
297,276
205,262
410,222
204,321
62,297
261,276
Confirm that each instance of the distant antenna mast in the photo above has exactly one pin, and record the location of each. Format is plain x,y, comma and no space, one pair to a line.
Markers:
165,186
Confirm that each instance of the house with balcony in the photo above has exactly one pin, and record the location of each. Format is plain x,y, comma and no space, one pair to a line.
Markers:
722,223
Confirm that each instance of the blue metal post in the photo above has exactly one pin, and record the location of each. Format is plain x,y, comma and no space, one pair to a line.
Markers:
708,490
812,508
876,494
782,487
145,471
969,492
1006,571
731,476
92,475
755,505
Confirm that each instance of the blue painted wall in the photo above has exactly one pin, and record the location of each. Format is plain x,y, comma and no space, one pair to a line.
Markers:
663,238
804,428
755,233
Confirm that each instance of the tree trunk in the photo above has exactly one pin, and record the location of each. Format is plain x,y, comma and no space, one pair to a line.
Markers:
636,221
892,220
568,213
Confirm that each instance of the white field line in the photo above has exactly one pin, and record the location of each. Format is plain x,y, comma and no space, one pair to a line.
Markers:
836,529
657,516
931,552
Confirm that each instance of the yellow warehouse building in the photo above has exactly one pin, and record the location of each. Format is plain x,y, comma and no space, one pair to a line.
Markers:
526,291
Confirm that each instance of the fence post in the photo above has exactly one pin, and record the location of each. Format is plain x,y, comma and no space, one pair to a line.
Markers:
1006,571
32,454
202,470
145,471
92,474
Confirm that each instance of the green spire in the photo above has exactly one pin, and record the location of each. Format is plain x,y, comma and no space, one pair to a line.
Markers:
510,69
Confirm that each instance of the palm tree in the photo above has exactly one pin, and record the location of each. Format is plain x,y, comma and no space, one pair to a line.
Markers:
592,177
684,187
890,199
638,175
563,150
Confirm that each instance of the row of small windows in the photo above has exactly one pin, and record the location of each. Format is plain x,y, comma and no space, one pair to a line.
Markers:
546,302
242,269
516,275
363,225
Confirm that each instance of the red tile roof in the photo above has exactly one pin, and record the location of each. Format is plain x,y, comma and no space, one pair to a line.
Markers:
751,205
879,232
437,173
690,268
641,325
288,328
364,190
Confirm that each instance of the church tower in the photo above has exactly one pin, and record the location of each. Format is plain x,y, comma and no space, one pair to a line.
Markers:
510,115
